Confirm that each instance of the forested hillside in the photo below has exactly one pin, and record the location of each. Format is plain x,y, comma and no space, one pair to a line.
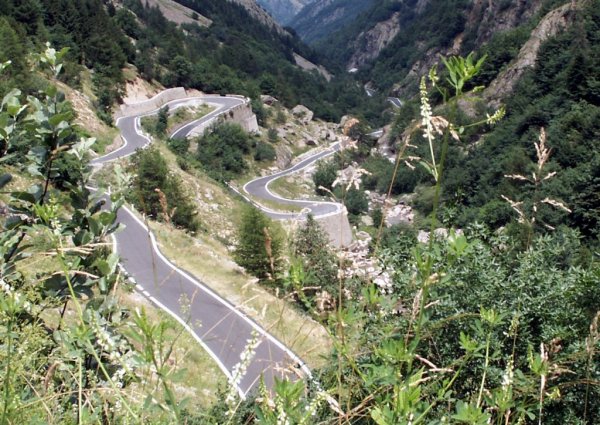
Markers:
390,37
561,94
85,27
557,92
236,54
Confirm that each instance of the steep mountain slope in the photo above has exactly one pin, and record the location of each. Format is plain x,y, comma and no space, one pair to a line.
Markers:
393,40
179,14
284,10
259,14
323,17
542,71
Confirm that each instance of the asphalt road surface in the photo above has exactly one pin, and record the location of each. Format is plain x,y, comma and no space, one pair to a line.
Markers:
259,188
221,328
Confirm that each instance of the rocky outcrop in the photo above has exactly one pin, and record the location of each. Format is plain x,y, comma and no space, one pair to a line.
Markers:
395,212
268,100
178,13
359,263
302,114
484,18
370,43
400,213
552,24
284,156
309,66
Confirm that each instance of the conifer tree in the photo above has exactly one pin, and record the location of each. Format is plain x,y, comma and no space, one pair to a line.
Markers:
259,245
311,245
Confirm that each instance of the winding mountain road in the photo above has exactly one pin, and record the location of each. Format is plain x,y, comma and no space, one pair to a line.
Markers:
215,323
259,188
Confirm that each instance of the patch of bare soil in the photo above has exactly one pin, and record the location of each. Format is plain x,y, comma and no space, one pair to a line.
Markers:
86,116
179,14
138,90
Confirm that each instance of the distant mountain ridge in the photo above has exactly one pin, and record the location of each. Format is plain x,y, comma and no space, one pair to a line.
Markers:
259,13
321,18
284,10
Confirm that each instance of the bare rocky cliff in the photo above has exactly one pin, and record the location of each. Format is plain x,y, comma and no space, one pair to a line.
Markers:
370,43
552,24
175,12
483,19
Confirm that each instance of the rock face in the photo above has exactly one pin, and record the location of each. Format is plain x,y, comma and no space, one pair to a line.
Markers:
309,66
303,114
178,13
370,43
553,23
284,156
268,100
483,18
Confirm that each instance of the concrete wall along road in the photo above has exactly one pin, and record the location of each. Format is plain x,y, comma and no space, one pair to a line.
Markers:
151,104
241,114
337,228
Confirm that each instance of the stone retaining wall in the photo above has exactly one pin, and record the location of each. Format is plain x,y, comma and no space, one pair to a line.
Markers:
241,114
151,104
337,228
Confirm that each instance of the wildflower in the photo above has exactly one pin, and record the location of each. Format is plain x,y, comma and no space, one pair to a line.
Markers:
426,122
282,417
508,376
543,153
240,369
556,204
518,207
311,408
426,112
440,124
351,177
537,179
17,298
497,116
433,77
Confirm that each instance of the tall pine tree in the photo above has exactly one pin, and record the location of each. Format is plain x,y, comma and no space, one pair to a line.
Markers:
259,245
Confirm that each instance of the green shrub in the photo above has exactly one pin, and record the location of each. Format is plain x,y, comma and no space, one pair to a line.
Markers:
264,152
159,193
221,151
324,177
180,147
356,201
